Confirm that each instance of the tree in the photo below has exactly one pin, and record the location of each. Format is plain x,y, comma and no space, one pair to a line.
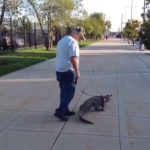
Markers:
145,34
108,25
54,11
51,12
8,7
131,30
36,7
145,28
95,25
3,8
78,9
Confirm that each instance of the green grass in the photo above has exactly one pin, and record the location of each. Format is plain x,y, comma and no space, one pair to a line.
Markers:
10,62
85,43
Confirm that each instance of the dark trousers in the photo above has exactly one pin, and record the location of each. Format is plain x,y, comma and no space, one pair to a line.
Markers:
67,90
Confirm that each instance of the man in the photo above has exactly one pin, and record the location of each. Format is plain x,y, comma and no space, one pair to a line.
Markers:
67,70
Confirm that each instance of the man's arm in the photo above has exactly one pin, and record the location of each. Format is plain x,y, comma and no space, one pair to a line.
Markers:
75,64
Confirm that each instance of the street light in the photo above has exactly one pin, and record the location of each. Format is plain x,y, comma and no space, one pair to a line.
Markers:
144,11
131,9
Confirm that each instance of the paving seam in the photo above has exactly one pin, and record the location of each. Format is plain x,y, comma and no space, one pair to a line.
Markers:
140,73
119,128
35,131
147,65
99,135
53,144
103,135
90,78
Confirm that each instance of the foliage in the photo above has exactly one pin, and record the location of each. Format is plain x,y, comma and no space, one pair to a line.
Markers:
145,28
145,34
108,25
95,25
9,8
84,43
54,11
131,30
53,17
78,9
49,13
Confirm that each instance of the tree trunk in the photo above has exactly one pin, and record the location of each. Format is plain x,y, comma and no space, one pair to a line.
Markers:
3,12
39,20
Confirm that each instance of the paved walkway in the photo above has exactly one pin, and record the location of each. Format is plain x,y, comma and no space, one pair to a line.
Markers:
28,98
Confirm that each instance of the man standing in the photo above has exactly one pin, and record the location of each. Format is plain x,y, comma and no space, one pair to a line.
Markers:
67,70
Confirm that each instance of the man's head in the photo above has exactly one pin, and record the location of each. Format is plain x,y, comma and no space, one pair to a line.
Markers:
78,33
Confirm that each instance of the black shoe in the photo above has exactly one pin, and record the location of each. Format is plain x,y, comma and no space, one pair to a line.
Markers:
69,113
62,118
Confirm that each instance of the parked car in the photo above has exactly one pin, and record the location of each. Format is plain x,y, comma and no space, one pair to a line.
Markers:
6,44
20,41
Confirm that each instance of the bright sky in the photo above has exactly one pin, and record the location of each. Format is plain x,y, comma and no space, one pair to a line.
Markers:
115,10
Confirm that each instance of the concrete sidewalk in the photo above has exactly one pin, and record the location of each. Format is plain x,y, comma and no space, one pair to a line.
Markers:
29,97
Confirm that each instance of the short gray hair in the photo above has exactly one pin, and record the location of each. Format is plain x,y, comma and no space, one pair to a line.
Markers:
80,31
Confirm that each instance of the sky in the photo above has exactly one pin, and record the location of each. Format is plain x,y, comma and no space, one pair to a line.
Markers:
116,11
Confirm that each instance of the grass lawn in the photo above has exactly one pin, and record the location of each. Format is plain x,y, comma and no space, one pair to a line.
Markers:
10,62
85,43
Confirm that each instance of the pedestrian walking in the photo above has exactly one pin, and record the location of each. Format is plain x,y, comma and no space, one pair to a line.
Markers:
106,37
67,70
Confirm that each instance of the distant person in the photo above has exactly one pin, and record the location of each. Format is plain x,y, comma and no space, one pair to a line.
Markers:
47,41
67,70
140,44
106,37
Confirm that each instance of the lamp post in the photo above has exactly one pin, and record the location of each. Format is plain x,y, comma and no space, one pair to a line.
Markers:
131,9
121,21
144,11
142,27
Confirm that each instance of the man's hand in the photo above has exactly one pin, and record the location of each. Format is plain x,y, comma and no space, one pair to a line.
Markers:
78,76
75,64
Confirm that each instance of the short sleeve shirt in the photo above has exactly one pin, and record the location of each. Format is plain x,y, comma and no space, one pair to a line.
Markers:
67,47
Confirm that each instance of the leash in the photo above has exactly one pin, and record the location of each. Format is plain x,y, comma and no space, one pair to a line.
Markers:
86,93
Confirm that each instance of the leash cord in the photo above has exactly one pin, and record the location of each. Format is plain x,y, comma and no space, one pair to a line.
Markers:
86,93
